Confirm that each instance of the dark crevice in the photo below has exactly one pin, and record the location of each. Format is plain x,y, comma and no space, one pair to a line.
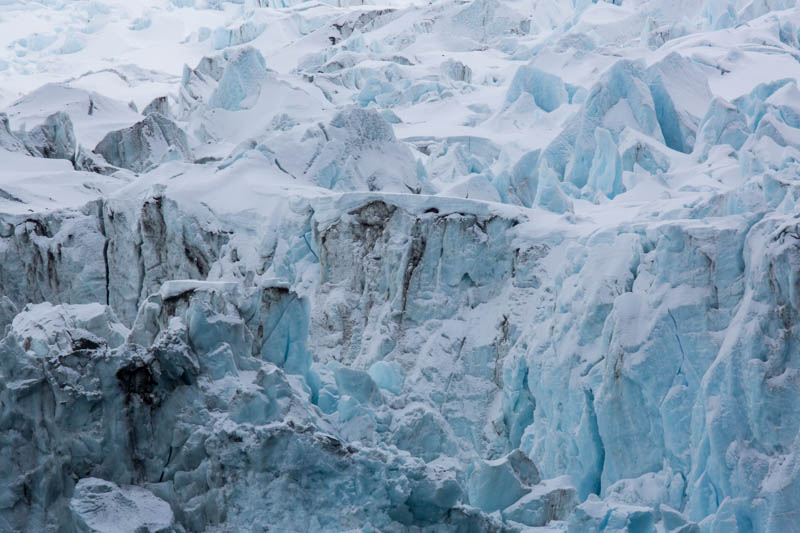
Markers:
108,278
310,249
141,271
169,458
106,242
278,164
677,336
5,195
413,190
414,259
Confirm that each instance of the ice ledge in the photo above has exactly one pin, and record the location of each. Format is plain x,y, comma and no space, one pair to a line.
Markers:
329,209
174,288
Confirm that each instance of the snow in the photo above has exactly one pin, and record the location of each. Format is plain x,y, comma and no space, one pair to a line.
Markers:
103,507
400,265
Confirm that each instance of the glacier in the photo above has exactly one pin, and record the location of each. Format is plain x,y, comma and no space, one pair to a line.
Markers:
400,266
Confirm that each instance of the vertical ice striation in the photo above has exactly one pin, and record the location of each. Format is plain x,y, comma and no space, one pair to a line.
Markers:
240,84
620,100
681,96
55,139
9,141
146,144
605,174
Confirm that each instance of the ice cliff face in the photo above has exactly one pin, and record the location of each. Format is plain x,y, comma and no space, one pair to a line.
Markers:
460,266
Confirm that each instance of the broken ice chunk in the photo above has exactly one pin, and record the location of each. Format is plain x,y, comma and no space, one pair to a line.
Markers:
99,506
145,145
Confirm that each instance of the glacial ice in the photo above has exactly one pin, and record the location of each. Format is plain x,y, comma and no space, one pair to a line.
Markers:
145,145
159,104
55,139
723,124
524,180
240,83
448,266
494,485
605,174
9,141
359,150
681,96
549,194
548,91
621,99
456,70
92,114
643,153
226,37
103,507
179,328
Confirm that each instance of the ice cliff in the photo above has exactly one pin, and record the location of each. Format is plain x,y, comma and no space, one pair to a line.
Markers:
448,266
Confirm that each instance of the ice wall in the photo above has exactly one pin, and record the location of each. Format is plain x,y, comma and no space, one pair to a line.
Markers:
482,266
636,351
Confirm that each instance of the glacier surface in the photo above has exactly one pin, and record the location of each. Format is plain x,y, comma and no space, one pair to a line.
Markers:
460,265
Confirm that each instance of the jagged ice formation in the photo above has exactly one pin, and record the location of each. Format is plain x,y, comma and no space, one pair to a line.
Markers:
464,265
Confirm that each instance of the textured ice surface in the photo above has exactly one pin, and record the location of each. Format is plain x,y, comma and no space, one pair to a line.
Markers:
548,91
100,506
9,141
447,266
55,139
359,150
146,144
240,83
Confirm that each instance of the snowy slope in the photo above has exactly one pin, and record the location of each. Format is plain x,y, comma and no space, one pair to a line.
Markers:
460,265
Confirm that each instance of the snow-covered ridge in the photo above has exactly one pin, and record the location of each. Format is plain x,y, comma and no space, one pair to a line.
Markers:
447,266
